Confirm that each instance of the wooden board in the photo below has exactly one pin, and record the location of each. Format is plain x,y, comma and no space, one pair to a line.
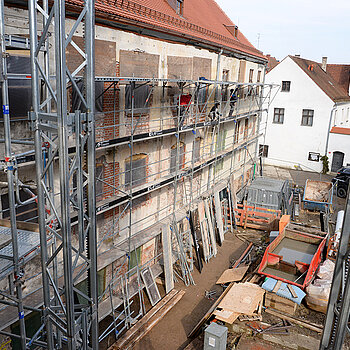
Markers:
167,258
218,214
204,229
280,304
314,327
210,226
4,240
226,315
242,298
232,275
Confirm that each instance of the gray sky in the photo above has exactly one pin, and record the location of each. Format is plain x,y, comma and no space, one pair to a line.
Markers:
311,28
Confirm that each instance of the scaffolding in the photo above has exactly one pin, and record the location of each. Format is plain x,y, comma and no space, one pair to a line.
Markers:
66,240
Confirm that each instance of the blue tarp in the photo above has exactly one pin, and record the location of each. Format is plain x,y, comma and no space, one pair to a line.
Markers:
283,291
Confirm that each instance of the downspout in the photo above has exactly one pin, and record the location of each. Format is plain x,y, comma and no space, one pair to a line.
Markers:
217,73
329,128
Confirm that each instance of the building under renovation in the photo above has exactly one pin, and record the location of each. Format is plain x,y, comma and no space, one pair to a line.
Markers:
127,129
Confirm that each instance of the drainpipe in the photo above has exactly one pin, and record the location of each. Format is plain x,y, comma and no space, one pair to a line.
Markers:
217,73
329,128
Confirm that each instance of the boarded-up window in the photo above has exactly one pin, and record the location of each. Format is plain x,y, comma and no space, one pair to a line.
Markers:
138,173
141,95
196,151
20,98
179,67
105,56
177,160
201,68
138,64
241,72
201,96
77,103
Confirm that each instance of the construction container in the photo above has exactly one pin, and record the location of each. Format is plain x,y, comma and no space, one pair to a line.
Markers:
318,195
269,193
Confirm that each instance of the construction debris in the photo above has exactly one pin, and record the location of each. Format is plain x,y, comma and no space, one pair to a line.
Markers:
242,299
232,275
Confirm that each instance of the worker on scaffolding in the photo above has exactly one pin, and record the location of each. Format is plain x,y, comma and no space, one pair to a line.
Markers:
233,100
214,113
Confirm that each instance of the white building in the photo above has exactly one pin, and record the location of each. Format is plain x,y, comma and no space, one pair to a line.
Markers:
308,117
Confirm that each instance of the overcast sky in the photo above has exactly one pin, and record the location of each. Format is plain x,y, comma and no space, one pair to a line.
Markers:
311,28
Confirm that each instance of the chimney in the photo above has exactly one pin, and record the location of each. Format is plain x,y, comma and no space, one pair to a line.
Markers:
297,55
324,63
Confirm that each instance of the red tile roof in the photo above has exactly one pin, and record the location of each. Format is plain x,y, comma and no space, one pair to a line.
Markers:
340,73
339,130
202,20
272,62
322,79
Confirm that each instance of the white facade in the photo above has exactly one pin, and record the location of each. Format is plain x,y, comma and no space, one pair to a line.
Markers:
291,144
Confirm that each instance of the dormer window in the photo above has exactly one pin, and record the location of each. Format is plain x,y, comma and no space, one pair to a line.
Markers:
177,5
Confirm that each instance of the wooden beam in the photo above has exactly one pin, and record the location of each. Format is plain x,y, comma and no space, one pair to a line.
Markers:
211,227
167,258
218,214
312,326
141,328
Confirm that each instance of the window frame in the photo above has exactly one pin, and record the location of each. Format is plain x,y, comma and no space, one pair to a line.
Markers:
263,151
285,86
278,118
181,158
135,158
138,110
307,117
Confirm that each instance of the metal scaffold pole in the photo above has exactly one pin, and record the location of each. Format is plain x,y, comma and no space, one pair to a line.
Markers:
67,320
10,168
338,311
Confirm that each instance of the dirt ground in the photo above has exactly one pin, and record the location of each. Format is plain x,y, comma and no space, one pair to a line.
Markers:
171,332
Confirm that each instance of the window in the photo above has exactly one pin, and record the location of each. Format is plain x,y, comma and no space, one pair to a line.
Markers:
225,74
308,117
236,138
220,146
258,77
196,151
278,116
177,5
286,86
76,101
251,72
141,95
27,212
138,173
20,98
177,161
201,96
246,123
263,151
